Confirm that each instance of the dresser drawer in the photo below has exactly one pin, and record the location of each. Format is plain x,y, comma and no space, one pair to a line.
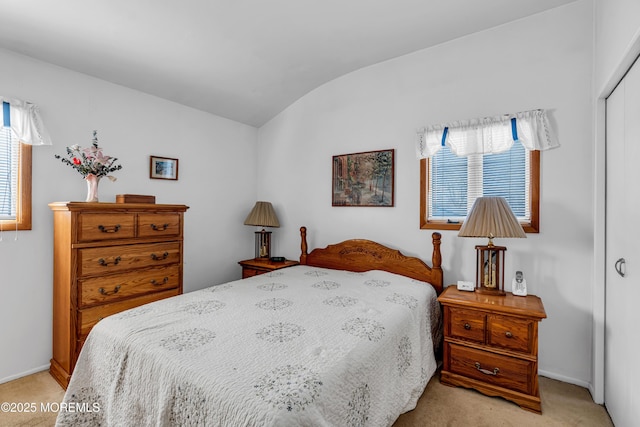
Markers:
110,259
503,371
158,224
100,226
90,316
510,333
467,325
105,289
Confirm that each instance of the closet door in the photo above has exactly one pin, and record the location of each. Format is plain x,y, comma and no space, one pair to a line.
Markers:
622,309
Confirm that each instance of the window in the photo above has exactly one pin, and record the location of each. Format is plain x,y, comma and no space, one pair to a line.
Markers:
449,185
15,182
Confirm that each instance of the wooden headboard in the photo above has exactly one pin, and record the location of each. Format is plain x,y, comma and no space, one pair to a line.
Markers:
363,255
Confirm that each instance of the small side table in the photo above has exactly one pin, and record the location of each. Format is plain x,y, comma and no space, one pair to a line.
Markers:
257,266
491,344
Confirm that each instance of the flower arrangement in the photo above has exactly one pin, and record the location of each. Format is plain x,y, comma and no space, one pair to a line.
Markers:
90,161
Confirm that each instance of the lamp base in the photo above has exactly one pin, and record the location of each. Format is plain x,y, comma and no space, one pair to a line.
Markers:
489,291
263,244
490,269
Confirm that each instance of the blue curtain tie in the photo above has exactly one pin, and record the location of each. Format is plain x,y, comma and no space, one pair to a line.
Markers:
444,135
5,114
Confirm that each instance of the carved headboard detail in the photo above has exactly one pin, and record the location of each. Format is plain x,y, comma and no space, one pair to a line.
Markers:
363,255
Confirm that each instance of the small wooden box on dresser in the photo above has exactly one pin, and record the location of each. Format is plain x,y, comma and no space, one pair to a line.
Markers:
491,344
109,257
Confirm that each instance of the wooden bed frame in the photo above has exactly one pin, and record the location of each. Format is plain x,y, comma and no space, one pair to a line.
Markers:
363,255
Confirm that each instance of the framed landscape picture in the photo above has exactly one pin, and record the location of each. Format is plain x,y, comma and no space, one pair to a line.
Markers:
163,168
363,179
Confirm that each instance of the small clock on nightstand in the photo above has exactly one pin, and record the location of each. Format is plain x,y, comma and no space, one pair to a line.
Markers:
256,266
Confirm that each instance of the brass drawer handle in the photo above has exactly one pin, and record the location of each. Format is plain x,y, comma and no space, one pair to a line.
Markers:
155,283
114,291
159,227
467,326
159,258
508,334
102,261
113,229
487,372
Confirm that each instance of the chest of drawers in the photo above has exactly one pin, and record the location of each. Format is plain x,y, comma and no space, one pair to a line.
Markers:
491,344
109,257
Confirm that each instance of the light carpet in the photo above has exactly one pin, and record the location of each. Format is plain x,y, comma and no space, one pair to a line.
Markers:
562,405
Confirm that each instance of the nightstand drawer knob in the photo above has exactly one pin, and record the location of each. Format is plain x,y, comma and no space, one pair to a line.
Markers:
485,371
508,334
467,326
164,282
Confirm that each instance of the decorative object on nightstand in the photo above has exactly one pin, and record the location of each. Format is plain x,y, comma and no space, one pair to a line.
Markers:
263,215
491,217
257,266
466,286
491,344
519,285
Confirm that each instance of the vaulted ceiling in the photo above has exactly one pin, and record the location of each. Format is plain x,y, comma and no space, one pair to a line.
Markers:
246,60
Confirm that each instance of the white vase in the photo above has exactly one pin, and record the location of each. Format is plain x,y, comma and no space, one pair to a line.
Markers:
92,187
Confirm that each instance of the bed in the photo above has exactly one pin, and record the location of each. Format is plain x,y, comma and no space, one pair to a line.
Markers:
346,338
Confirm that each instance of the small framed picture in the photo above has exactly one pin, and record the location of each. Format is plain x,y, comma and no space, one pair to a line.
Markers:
163,168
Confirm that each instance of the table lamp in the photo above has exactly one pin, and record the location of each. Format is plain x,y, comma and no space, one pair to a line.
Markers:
262,215
491,217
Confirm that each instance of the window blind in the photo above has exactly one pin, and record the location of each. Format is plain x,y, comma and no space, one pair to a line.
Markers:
455,182
9,150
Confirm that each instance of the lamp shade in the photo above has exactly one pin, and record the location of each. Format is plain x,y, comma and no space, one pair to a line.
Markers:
262,215
491,217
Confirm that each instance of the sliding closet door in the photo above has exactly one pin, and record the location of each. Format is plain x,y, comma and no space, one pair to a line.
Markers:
622,329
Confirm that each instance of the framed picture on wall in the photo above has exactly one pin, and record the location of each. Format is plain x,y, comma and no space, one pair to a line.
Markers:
363,179
163,168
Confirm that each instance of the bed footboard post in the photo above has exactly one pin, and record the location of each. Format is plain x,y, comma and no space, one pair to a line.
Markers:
303,245
436,262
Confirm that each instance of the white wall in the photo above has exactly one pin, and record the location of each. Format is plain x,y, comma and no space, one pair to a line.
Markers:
544,61
216,179
617,26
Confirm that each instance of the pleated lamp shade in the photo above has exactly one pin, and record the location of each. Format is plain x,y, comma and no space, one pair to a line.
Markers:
262,215
491,217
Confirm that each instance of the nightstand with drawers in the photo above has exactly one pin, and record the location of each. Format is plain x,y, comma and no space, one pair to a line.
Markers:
491,344
257,266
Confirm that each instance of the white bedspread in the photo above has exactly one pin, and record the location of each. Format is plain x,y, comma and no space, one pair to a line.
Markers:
301,346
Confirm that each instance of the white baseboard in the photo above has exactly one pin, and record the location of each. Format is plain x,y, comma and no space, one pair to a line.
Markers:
564,379
24,374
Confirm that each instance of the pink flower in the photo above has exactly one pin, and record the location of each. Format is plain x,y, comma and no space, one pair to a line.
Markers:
101,158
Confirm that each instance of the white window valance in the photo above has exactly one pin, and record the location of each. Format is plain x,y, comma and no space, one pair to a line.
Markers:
24,120
488,135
